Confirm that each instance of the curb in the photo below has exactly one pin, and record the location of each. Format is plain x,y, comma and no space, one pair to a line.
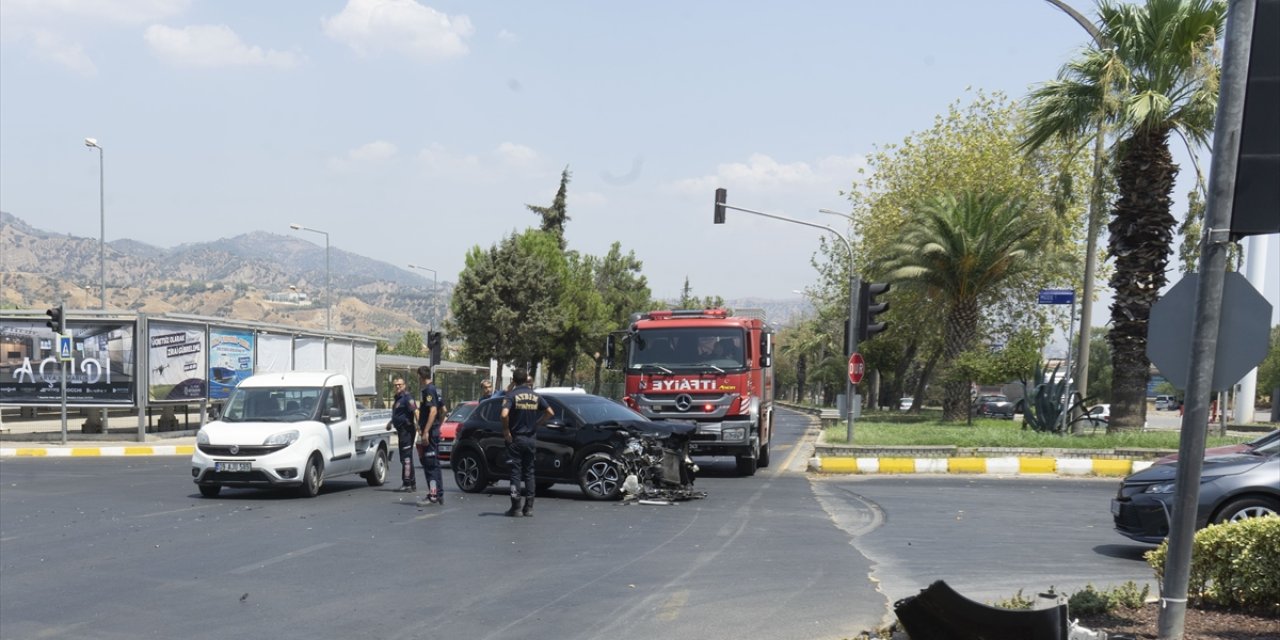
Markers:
92,452
1015,465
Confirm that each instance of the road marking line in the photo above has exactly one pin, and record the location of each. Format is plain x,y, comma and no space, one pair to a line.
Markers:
281,558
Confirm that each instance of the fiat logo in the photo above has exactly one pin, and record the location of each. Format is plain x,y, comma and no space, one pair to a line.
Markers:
684,401
235,448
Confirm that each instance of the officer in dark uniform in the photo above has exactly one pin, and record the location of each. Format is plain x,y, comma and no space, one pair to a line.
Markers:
430,416
403,409
522,412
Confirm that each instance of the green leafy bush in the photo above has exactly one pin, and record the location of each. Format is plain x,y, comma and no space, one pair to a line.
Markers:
1090,601
1234,564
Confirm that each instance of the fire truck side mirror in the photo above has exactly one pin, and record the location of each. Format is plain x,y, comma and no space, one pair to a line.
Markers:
610,351
766,349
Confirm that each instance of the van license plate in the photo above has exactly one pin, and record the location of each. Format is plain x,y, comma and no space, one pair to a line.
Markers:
232,466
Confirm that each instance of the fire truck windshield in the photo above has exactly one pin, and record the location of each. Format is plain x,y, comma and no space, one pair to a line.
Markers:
695,347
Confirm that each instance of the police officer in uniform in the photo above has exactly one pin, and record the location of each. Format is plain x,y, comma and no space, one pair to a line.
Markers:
522,412
403,409
430,416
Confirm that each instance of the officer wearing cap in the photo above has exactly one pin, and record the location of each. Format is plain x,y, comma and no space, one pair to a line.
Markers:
522,411
430,415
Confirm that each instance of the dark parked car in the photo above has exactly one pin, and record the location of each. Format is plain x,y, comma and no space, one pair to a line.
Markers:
994,406
1232,487
592,441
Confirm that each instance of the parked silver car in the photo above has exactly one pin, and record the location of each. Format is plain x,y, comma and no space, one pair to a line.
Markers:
1234,486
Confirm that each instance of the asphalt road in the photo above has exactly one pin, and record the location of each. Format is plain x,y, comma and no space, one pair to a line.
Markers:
126,548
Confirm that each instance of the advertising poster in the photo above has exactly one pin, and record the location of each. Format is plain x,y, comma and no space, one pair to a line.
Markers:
230,360
101,370
177,360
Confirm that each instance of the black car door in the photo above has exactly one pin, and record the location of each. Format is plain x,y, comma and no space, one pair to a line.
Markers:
489,436
557,443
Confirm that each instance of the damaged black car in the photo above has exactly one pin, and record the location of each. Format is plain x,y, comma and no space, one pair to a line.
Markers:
608,450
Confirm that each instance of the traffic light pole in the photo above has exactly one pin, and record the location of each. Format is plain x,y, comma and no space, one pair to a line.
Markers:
855,328
855,284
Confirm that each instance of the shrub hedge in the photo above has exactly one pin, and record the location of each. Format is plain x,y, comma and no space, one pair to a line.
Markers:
1234,564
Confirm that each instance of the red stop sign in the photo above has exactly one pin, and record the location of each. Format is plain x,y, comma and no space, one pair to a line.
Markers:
857,367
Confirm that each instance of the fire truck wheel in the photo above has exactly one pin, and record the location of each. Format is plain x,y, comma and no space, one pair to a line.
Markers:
763,460
747,464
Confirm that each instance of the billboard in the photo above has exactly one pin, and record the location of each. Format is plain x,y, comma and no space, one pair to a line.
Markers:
101,371
178,362
230,360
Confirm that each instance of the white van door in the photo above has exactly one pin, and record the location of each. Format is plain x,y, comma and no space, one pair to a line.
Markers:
341,429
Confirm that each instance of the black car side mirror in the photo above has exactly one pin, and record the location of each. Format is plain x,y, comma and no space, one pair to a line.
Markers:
554,423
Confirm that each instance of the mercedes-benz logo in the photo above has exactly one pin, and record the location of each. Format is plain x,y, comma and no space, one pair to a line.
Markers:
235,448
684,401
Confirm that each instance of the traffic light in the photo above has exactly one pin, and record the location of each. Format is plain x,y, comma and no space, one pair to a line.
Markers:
435,342
57,322
721,196
870,309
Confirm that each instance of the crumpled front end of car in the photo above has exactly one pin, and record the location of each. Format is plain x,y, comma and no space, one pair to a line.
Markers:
657,466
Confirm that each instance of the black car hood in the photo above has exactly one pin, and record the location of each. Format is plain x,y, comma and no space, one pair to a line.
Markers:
661,427
1226,465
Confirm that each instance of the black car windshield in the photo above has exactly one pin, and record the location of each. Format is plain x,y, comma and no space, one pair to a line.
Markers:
273,404
597,410
693,347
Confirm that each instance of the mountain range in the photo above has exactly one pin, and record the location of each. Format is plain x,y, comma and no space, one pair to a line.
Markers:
257,276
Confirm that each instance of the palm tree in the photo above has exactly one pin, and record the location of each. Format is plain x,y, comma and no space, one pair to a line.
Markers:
962,249
1159,76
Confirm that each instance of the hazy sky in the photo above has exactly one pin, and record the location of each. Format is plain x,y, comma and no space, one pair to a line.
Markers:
412,131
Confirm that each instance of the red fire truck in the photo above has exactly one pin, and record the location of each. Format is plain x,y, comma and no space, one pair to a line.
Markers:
708,367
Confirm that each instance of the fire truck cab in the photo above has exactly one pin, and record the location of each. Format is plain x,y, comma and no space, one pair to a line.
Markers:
708,367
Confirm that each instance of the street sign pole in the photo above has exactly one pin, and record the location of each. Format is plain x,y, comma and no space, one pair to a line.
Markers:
1208,316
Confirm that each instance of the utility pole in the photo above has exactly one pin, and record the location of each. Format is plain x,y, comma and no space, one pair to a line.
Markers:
1208,316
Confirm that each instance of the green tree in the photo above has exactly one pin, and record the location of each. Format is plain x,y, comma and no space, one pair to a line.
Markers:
554,216
972,147
1269,370
689,301
410,344
1099,366
506,303
961,249
583,316
1159,76
623,290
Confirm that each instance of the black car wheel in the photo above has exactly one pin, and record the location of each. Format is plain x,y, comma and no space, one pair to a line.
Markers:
1246,508
600,477
210,490
469,472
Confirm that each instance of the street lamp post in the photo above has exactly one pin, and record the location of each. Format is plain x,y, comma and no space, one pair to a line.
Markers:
328,292
433,282
102,222
854,285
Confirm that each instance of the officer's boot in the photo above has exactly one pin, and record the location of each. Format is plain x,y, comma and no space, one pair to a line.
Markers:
515,507
528,507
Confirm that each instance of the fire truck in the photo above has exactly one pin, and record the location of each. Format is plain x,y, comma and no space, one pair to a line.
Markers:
708,367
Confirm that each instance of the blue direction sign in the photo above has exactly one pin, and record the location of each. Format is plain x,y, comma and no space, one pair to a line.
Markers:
1057,296
64,347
